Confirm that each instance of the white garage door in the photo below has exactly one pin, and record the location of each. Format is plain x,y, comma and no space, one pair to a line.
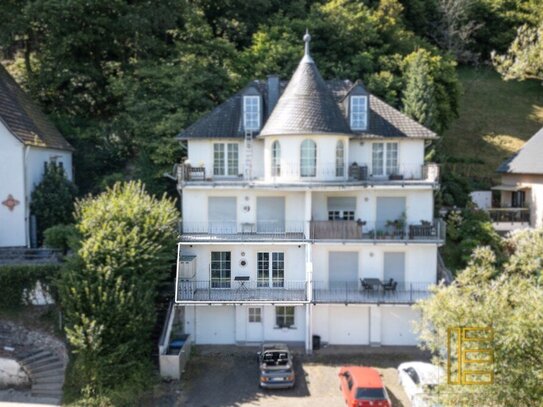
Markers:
397,326
349,325
215,325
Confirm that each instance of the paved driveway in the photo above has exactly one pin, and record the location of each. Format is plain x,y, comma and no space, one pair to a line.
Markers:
228,376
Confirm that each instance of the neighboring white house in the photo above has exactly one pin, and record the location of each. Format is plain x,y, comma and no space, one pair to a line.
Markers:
521,189
300,204
28,140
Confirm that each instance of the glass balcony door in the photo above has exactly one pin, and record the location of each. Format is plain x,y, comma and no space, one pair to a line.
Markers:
271,269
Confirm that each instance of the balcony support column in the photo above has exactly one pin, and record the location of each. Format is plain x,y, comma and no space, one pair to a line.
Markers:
375,325
308,329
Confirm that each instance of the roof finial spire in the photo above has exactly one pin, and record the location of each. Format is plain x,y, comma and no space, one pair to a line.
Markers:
307,40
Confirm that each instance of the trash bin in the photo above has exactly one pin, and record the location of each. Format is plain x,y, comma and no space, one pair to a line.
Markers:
316,342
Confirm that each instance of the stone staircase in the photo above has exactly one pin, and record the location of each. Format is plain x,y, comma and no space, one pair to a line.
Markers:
46,372
23,255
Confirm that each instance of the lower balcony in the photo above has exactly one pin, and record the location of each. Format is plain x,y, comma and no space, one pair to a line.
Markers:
244,231
509,219
369,291
233,291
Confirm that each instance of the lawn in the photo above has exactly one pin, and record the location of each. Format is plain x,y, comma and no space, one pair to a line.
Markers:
495,118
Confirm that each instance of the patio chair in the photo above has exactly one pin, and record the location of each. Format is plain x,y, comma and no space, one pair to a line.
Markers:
390,286
365,285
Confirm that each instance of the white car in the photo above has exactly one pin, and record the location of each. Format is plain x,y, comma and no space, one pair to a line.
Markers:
417,379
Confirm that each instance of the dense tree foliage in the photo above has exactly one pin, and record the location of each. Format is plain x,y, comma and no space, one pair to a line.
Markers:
127,245
507,297
52,200
122,78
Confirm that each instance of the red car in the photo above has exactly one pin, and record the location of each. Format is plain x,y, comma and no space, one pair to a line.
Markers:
363,387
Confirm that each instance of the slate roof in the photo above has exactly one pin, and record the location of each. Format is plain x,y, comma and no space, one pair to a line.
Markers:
307,105
24,119
528,160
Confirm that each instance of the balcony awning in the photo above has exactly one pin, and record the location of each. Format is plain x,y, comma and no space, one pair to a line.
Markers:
511,188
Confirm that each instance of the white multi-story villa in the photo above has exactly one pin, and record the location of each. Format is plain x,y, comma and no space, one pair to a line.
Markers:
307,210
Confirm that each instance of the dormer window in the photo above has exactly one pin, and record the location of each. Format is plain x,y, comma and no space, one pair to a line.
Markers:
359,112
251,113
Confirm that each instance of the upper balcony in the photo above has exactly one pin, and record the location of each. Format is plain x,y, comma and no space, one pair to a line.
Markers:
509,219
292,174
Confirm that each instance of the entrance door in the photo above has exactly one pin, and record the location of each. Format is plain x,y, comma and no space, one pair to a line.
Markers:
394,266
270,214
389,209
255,328
343,269
222,215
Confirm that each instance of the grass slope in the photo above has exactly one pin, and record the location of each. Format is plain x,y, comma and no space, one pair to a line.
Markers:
495,118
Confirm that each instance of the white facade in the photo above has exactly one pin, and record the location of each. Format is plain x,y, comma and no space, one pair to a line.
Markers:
321,268
21,169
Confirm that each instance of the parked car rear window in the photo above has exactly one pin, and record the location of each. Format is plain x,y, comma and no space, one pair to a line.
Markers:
413,374
363,393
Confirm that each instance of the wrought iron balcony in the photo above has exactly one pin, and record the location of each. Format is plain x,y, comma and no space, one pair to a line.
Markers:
236,231
355,293
511,215
228,290
377,231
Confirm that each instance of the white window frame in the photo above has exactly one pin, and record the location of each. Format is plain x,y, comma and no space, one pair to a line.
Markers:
276,159
251,113
387,163
359,112
308,164
284,318
275,262
223,263
254,315
225,159
340,158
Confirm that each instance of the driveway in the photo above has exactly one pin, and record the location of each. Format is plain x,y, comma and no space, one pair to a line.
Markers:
219,376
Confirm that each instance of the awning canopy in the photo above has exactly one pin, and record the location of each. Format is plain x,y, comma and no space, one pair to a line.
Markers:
509,187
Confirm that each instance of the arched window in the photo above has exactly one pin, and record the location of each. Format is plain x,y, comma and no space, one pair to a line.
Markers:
308,159
340,159
276,159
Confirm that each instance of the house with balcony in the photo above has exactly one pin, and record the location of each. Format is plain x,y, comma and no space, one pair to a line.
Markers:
308,209
520,202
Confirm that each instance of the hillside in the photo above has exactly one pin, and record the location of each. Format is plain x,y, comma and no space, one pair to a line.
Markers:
495,119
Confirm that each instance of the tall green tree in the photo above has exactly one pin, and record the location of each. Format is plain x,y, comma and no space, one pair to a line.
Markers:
108,288
508,298
52,201
419,101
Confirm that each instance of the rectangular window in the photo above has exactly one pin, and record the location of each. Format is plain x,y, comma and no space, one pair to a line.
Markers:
518,199
384,159
251,113
270,274
225,159
340,215
359,112
255,314
284,317
220,269
377,159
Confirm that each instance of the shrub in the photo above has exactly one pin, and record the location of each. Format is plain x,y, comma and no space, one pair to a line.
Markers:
61,237
16,282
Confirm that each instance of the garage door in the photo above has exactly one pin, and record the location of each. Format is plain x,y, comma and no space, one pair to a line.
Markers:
215,325
349,325
222,214
270,214
397,326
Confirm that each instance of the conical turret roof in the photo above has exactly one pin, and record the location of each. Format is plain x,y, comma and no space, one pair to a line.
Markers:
307,105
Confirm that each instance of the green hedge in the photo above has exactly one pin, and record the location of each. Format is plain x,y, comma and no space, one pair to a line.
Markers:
16,280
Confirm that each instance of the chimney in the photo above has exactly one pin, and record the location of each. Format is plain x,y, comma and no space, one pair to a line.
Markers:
273,92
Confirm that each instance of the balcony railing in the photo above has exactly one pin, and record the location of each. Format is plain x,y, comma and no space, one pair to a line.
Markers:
242,231
232,291
353,292
511,215
391,230
322,172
